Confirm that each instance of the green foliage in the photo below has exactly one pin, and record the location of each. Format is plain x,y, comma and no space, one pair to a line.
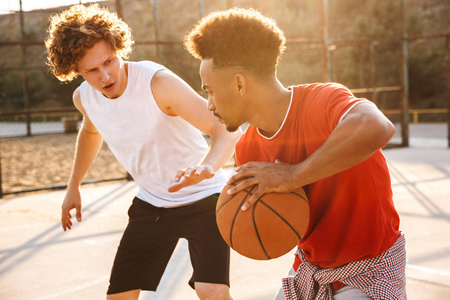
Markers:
11,95
427,76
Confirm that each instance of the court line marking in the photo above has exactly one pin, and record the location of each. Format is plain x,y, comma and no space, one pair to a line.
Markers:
428,270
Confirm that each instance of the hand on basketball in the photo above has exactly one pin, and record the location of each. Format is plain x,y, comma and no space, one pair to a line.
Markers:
71,201
190,176
269,177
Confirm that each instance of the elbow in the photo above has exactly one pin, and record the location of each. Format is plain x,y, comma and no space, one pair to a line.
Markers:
390,130
387,131
382,132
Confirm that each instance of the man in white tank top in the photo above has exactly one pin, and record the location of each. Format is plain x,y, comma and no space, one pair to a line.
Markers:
152,121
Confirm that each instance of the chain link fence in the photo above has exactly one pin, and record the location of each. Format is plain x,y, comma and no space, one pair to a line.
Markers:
394,53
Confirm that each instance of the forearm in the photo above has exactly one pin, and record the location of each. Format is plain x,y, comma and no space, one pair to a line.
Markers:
222,148
352,142
87,148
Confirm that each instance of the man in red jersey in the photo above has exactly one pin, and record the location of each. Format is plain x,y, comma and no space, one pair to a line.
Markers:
316,136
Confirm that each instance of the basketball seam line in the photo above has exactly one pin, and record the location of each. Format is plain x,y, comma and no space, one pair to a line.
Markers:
231,198
256,228
236,214
282,218
306,200
223,204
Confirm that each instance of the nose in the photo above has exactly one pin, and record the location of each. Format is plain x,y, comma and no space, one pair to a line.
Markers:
211,106
104,75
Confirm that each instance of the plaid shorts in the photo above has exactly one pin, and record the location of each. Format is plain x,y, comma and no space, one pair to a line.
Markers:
381,277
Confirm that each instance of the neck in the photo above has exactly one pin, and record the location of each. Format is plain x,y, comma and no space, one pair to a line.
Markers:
269,105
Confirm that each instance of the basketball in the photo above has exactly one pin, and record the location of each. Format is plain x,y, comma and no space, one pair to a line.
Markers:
270,228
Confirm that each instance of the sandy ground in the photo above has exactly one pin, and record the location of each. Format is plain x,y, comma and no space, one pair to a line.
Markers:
46,160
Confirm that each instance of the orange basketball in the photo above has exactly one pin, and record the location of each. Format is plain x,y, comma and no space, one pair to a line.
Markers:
270,228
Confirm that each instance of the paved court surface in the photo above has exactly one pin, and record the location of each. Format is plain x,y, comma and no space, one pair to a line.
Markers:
38,260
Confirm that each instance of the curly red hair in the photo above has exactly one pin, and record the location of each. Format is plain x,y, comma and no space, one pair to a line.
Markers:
78,29
238,38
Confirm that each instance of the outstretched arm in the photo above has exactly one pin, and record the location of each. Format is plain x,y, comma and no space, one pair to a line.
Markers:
360,134
176,98
88,145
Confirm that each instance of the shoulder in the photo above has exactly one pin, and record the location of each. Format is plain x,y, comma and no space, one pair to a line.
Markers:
76,98
146,66
328,89
322,95
165,82
325,104
334,89
163,77
170,92
144,71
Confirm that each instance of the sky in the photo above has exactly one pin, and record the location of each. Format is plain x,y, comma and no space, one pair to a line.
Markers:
13,5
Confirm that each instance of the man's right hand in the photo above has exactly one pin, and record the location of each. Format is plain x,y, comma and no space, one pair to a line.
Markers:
71,201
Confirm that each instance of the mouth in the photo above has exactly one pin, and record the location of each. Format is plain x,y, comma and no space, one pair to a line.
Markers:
109,87
218,117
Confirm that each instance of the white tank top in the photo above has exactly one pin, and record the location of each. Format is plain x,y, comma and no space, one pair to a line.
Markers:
150,145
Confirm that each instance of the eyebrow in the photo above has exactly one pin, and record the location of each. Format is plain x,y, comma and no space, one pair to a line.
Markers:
95,68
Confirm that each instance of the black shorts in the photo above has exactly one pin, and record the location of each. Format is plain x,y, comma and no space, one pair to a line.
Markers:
150,239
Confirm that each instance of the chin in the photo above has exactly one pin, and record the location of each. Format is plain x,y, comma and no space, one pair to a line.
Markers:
232,128
112,95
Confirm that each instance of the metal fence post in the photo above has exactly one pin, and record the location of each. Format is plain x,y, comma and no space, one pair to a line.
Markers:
405,84
202,8
24,69
1,185
156,28
373,83
326,58
447,84
118,5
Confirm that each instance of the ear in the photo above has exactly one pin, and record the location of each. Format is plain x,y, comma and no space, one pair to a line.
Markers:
240,82
77,71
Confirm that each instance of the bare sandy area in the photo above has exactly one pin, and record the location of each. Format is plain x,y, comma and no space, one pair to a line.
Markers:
46,160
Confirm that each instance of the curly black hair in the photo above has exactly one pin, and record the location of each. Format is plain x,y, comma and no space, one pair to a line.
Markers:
238,37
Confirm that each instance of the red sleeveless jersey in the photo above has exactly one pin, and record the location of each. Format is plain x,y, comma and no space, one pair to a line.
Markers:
352,213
